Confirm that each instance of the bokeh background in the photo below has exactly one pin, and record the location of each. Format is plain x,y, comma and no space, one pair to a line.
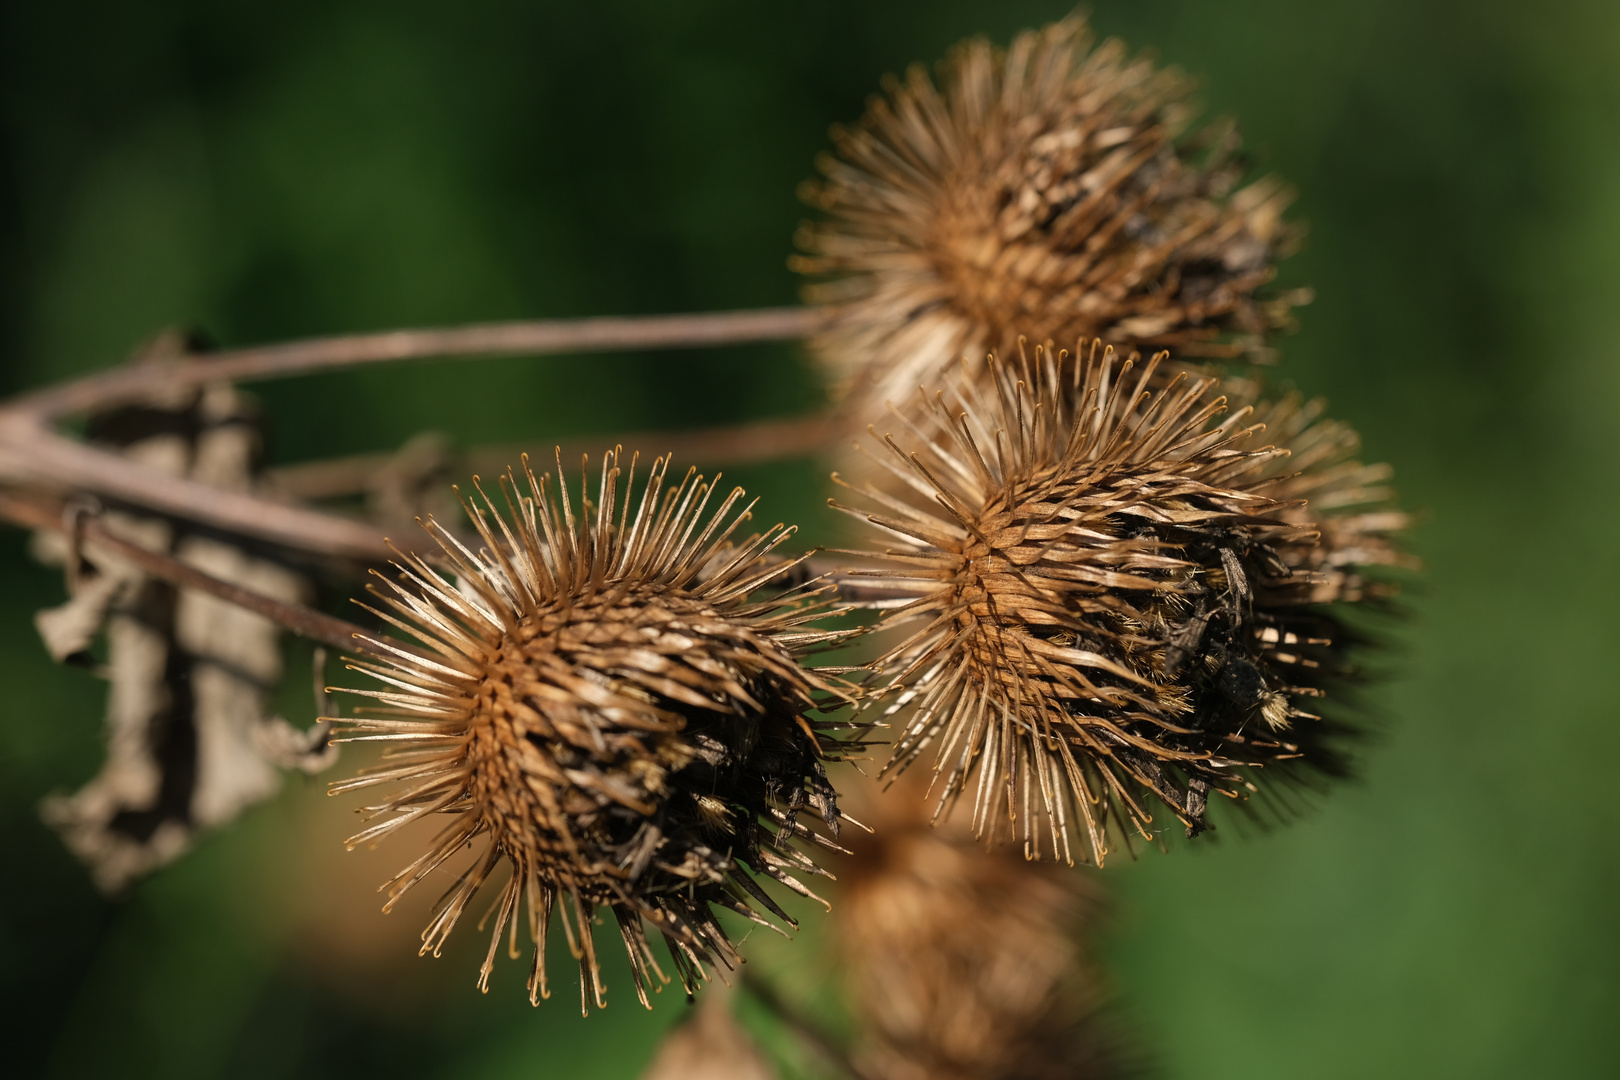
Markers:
267,171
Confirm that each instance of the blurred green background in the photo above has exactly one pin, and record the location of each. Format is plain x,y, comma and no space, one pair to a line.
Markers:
266,171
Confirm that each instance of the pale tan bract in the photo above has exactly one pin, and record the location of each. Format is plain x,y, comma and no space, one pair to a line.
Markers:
609,702
1054,189
1106,591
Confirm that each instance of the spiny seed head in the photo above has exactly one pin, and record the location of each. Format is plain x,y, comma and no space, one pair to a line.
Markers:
1056,190
1116,594
606,698
963,963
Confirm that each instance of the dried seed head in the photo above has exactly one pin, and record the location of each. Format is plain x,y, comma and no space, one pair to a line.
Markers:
966,964
606,703
1119,595
1053,190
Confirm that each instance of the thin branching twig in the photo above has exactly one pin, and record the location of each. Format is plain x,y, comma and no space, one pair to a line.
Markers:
34,454
31,454
536,338
304,621
731,444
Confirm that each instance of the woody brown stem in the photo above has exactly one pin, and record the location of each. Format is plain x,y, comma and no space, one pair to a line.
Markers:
129,383
31,453
739,444
303,621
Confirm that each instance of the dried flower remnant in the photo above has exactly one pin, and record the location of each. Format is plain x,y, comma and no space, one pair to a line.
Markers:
1118,595
1055,190
966,964
610,700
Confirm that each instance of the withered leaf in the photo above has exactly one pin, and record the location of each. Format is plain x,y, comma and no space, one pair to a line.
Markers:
189,746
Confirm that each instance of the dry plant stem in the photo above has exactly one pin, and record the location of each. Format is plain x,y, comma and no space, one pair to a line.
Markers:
808,1031
300,620
54,460
741,444
31,453
126,384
